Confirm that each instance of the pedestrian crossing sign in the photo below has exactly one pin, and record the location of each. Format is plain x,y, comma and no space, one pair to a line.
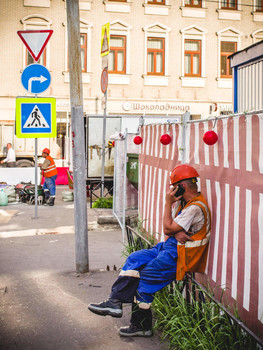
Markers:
36,117
105,40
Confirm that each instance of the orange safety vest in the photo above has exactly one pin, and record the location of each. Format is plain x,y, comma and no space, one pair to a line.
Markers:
192,255
51,170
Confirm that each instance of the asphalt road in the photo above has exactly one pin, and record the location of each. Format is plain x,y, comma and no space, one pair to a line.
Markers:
43,301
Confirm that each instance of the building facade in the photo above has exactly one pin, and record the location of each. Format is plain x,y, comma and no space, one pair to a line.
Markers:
166,56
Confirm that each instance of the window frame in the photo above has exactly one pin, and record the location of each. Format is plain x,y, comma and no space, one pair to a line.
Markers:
85,28
226,54
116,49
228,5
192,53
192,5
43,56
257,35
154,2
156,30
155,51
85,47
229,34
261,8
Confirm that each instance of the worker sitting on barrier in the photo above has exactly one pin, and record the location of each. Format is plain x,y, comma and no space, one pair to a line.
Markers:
186,222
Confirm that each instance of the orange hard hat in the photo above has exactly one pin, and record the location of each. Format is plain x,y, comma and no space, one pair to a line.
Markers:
183,172
46,150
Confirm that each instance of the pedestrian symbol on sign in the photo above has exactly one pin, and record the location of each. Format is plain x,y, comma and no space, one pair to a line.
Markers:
36,120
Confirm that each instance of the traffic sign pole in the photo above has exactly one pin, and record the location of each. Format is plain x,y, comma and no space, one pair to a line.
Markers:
30,120
36,184
105,49
103,146
104,86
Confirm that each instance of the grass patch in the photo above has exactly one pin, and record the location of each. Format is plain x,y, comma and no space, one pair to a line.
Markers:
103,202
196,325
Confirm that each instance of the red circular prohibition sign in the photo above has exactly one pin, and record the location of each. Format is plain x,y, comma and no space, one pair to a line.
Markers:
104,80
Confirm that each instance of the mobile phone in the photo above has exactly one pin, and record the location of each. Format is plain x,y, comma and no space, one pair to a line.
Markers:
180,190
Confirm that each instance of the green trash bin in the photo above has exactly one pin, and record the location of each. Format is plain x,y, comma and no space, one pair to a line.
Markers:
133,169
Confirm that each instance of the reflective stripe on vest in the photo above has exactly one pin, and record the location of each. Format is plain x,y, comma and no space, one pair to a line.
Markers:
51,170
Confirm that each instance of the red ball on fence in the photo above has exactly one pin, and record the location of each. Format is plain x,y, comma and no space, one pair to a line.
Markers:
210,137
165,139
137,140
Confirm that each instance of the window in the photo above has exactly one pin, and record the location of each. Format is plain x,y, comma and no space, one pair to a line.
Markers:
227,48
257,35
229,41
192,58
155,56
156,49
36,22
156,2
229,5
193,3
30,60
117,55
83,51
259,5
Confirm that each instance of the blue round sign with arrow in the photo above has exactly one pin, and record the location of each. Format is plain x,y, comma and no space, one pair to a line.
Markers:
35,78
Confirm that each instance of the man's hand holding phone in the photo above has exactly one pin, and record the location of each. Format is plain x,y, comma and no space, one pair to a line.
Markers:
175,193
180,190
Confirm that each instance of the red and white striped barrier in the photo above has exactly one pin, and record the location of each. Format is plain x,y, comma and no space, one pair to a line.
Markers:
231,180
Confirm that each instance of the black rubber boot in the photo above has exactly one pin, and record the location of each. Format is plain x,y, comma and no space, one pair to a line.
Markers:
51,201
111,307
47,195
141,323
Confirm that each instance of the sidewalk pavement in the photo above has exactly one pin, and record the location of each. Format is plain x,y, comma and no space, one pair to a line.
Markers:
43,300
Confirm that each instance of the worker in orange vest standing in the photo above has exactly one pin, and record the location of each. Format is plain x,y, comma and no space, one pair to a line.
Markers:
50,173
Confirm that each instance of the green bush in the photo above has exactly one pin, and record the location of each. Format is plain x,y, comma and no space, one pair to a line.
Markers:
103,203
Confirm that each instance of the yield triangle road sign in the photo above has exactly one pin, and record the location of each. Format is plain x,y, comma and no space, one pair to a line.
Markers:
35,41
36,120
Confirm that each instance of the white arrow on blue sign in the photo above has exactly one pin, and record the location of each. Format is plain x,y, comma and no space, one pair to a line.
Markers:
35,78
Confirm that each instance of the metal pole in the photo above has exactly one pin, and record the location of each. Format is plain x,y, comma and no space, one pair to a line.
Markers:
78,143
186,118
124,185
103,146
36,178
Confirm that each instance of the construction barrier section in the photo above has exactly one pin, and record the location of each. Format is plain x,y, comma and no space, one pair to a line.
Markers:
125,166
231,180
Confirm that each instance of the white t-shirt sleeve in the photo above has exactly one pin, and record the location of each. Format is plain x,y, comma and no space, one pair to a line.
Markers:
191,219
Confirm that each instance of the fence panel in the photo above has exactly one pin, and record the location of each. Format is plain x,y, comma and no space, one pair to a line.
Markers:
231,180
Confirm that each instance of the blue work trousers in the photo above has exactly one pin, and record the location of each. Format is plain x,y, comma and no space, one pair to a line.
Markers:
156,267
50,184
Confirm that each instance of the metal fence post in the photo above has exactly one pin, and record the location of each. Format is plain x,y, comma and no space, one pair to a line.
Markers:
186,118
